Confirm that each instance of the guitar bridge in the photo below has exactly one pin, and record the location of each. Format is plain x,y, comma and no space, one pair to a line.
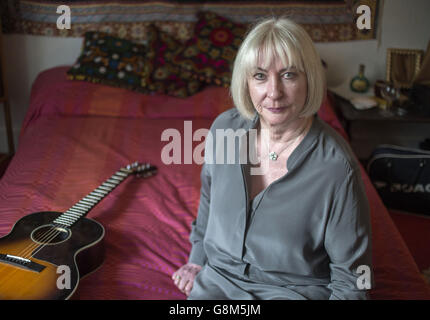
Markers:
21,262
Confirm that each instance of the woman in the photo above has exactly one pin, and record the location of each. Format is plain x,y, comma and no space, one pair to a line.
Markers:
299,226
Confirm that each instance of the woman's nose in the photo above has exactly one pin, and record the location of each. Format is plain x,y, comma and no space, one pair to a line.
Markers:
274,90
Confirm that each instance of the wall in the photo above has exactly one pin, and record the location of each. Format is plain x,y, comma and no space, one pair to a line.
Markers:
401,25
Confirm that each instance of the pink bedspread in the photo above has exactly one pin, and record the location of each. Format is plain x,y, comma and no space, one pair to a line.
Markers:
77,134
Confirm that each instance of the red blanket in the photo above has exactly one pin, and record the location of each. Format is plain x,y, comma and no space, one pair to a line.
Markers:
77,134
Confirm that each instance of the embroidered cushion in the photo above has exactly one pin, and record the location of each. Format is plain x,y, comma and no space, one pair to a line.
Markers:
113,61
210,53
165,76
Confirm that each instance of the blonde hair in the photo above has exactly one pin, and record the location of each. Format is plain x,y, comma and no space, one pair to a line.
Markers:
283,38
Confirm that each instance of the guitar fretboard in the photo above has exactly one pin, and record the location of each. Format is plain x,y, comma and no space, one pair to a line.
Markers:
82,207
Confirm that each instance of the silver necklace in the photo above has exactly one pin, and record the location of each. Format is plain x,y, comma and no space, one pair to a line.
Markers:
273,155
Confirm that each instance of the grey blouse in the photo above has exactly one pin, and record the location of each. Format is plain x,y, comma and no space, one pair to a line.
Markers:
303,237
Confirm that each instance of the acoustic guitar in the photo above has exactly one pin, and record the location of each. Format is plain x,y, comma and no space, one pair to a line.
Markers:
46,253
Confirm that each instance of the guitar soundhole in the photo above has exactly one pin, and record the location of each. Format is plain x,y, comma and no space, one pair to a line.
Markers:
50,234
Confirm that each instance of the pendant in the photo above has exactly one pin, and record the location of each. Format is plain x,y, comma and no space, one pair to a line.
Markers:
273,156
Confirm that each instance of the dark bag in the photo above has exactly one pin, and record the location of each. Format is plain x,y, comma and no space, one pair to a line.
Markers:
419,96
402,177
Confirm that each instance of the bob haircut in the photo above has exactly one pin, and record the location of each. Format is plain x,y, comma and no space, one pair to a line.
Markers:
275,38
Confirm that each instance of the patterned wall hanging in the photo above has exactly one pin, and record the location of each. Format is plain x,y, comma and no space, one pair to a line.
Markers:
326,21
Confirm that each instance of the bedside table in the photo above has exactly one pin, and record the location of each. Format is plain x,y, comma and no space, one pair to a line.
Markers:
369,128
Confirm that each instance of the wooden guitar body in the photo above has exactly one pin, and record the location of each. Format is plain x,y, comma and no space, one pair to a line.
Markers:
46,253
31,267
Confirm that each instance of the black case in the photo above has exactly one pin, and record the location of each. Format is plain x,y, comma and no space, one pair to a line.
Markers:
402,177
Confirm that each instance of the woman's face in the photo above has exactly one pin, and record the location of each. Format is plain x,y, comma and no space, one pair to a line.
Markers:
278,92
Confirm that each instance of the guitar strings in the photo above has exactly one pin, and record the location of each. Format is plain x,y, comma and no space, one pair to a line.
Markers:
49,235
13,271
47,238
43,240
22,253
29,252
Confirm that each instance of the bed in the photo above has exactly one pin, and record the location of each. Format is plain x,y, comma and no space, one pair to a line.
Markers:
76,134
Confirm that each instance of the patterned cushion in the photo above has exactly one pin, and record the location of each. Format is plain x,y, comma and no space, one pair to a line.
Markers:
113,61
210,53
165,76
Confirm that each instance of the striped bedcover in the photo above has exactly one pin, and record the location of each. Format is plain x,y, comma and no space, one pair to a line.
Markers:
78,134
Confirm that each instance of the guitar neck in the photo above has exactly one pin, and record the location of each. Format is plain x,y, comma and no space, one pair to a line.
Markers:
82,207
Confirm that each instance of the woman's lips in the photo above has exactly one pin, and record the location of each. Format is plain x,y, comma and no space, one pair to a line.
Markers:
276,110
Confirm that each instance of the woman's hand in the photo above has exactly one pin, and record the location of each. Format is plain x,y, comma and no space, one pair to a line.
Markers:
184,277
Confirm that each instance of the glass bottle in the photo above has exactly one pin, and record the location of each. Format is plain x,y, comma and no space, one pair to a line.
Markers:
360,83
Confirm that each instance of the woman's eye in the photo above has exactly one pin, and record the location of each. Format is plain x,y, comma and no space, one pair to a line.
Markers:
288,75
259,76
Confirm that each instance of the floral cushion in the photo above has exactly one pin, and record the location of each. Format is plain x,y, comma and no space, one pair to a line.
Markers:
163,64
113,61
165,76
210,53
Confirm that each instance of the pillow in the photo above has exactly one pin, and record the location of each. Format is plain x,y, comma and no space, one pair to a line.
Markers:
113,61
210,53
165,76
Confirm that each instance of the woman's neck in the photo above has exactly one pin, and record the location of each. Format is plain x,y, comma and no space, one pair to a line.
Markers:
286,133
